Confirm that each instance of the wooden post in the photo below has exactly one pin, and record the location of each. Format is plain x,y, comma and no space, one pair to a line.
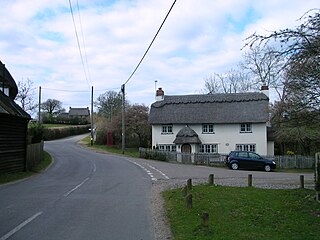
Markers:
184,191
301,181
211,179
205,219
250,180
317,177
189,184
189,201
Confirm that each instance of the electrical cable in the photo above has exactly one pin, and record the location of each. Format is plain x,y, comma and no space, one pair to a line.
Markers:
84,45
80,91
134,71
78,42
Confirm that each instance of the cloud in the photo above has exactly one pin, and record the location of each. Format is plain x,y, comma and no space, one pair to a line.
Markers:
37,41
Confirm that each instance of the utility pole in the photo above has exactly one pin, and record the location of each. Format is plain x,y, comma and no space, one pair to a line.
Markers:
92,116
39,117
123,118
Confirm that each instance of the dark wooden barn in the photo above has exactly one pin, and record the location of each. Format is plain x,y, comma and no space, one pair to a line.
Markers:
13,126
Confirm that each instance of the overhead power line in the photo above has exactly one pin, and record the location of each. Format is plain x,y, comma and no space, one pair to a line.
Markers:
80,91
134,71
78,42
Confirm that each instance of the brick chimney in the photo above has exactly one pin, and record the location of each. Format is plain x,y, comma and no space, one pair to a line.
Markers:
265,90
159,94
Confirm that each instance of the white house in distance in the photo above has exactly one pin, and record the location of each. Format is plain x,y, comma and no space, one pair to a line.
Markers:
211,123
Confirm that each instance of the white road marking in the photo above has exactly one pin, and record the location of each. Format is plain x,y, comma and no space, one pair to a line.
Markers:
21,225
149,172
165,176
75,188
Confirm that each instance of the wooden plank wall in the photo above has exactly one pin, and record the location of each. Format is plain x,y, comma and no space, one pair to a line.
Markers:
12,143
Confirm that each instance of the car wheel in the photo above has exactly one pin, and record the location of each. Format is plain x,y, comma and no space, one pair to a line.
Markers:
267,168
234,166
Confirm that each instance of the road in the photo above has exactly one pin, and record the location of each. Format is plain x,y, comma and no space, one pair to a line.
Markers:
90,195
83,195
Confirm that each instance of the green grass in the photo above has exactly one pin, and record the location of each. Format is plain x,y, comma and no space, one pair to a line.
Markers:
47,125
132,152
11,177
244,213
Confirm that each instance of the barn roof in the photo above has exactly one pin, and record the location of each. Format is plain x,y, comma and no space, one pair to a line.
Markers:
210,108
8,81
8,106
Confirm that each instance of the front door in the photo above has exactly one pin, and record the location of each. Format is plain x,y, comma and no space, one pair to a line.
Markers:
186,153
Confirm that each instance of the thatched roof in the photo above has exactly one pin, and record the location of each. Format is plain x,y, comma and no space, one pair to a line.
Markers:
210,108
73,112
186,135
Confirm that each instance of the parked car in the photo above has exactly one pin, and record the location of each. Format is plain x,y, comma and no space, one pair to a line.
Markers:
248,160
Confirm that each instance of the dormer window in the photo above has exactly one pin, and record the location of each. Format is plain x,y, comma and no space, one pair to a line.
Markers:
6,91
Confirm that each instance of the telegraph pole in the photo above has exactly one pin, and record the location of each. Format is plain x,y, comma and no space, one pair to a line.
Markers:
92,116
39,117
123,118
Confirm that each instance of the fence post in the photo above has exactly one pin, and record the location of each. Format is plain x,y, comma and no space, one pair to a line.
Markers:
301,181
205,219
189,183
211,179
250,180
184,191
189,200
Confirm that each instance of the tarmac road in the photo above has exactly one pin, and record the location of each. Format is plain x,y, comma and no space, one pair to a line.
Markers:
83,195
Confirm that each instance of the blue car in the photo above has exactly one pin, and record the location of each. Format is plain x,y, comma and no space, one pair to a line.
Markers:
248,160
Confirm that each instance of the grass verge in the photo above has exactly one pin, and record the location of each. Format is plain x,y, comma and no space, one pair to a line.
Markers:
132,152
10,177
244,213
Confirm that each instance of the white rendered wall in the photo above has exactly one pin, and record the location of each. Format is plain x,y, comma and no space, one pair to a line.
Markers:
225,135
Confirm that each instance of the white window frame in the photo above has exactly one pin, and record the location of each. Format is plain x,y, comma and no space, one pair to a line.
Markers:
167,147
209,148
246,147
167,129
208,128
245,127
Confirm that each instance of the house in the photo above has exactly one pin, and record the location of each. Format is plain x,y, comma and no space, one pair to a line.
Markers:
81,113
211,123
13,126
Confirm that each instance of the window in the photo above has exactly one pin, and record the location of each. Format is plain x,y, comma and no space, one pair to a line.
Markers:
246,147
245,128
209,148
167,147
166,129
207,128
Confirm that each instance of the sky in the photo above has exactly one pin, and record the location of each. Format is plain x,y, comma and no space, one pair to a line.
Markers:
200,37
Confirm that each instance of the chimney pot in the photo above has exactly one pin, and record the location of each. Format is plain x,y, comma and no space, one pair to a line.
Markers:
265,90
159,94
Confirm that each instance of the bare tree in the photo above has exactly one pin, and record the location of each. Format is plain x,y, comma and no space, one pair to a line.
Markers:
266,67
25,96
109,103
233,81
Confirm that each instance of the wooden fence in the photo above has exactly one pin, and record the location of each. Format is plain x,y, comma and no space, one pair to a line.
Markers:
218,160
34,155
